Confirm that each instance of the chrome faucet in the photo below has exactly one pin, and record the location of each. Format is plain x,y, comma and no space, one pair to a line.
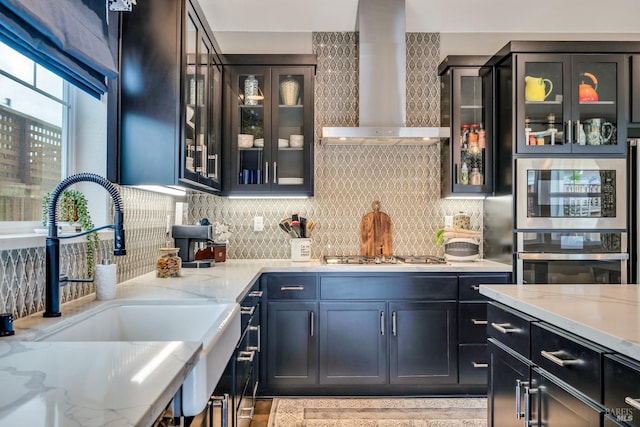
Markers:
53,279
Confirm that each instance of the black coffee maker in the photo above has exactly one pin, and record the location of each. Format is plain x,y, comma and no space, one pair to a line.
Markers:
186,237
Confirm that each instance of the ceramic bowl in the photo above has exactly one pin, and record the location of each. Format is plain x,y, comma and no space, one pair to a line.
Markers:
296,141
283,143
245,140
258,142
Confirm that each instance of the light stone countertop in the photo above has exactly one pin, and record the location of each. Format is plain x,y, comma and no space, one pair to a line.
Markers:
89,383
608,315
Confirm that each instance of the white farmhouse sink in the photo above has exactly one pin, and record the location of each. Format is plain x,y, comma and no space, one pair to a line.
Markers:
217,326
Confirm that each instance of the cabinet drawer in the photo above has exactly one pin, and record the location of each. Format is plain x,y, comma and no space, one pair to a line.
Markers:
469,285
472,327
292,286
570,358
473,362
389,286
509,327
622,389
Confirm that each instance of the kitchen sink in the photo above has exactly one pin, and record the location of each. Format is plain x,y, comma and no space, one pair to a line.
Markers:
216,325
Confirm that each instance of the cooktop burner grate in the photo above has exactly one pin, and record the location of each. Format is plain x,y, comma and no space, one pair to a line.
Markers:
363,260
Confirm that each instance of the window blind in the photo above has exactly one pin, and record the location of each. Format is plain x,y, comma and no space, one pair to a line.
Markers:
69,37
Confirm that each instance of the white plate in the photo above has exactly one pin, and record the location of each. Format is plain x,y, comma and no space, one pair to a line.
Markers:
283,143
258,142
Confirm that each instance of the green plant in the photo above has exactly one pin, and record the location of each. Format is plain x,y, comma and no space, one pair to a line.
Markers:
73,207
440,236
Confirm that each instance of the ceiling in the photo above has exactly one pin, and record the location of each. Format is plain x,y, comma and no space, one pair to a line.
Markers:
443,16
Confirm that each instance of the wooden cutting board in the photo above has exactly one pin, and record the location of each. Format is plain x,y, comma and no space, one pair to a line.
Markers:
376,233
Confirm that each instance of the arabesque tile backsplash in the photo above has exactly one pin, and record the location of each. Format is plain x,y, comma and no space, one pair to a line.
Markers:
347,179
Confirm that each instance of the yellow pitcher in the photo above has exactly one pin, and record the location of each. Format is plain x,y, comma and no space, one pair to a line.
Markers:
535,88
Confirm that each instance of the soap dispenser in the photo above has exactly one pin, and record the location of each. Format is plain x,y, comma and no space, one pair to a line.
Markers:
105,279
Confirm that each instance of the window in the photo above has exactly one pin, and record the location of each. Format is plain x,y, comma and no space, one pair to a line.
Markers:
33,135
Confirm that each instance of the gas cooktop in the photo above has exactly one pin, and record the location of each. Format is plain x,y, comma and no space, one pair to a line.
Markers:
397,259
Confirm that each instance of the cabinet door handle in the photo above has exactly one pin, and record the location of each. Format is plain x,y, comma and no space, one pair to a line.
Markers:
382,323
246,356
275,172
553,356
519,384
292,288
248,310
479,365
578,132
634,403
266,172
527,405
256,294
504,328
479,322
475,287
223,403
312,321
394,323
569,131
246,413
255,329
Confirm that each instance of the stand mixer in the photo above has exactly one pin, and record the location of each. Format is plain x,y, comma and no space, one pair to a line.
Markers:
186,237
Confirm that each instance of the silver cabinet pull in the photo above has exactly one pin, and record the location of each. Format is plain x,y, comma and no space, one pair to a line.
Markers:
479,365
223,403
311,323
246,413
248,310
505,328
256,294
475,287
569,137
519,384
479,322
292,288
578,124
382,323
246,356
553,356
527,404
394,323
275,172
266,172
255,329
634,403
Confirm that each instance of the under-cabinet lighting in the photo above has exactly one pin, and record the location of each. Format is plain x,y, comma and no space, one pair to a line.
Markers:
169,189
267,197
470,197
153,364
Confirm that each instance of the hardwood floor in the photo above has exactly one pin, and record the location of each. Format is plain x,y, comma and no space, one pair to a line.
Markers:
261,414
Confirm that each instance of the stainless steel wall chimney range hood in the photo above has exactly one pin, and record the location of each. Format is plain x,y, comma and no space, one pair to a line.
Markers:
382,82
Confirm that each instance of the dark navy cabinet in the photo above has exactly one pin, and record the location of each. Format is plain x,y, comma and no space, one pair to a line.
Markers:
374,334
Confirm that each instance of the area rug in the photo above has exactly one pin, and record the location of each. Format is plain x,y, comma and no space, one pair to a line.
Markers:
378,412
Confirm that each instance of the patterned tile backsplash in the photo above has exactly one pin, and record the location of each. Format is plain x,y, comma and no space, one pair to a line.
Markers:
347,178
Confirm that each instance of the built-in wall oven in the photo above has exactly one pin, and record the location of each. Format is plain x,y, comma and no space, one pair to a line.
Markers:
571,221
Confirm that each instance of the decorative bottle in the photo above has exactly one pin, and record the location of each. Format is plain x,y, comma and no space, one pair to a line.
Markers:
251,90
464,174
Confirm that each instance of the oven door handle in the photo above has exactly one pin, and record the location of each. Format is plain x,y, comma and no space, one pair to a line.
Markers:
573,257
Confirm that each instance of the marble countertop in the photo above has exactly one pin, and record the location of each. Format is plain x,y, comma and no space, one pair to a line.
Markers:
90,383
608,315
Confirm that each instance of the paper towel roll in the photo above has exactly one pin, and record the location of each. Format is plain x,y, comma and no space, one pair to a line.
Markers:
105,280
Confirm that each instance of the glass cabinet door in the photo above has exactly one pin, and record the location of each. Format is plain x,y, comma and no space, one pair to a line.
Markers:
290,138
194,85
597,104
469,173
571,103
251,133
545,111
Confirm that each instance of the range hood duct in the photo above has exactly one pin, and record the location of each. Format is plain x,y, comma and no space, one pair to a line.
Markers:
382,82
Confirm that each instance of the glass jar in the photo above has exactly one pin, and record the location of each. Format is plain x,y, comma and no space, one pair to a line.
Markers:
475,177
251,90
169,263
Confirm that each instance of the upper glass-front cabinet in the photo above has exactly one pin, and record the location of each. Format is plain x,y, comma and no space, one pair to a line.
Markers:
271,130
466,155
570,104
